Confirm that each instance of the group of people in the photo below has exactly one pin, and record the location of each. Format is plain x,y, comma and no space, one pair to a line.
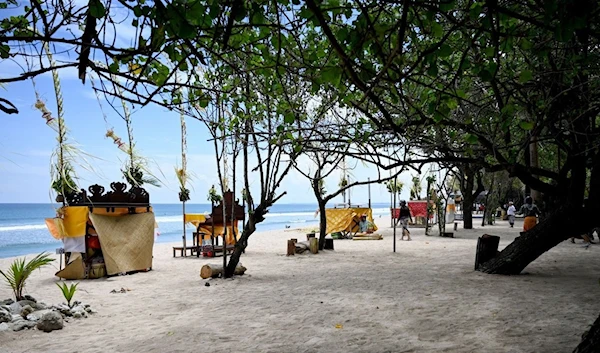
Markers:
529,210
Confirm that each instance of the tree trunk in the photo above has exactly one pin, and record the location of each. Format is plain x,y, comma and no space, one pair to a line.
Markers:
562,225
322,223
467,192
590,339
254,218
469,195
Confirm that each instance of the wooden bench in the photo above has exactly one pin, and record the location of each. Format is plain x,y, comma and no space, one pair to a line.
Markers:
181,250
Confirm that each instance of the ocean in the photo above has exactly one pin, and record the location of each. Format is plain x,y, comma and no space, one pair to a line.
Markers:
22,228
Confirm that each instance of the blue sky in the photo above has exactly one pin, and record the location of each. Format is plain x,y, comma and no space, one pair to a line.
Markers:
26,144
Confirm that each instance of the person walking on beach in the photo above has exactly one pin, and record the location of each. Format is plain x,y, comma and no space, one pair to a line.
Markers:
510,212
404,218
530,211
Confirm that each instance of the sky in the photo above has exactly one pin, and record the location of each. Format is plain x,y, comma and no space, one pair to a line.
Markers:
27,144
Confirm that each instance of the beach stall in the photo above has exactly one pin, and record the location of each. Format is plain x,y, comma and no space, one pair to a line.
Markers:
345,220
105,234
222,222
418,209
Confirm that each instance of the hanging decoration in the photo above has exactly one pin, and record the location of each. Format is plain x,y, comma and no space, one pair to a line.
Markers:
135,170
62,173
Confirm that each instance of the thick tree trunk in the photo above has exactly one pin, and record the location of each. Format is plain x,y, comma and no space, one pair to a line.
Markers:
469,195
590,342
322,224
467,209
254,218
561,225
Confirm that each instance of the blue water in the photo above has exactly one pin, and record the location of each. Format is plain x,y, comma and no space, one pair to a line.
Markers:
22,228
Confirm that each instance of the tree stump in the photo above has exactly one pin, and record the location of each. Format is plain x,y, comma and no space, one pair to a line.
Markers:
487,249
328,244
213,270
314,245
291,247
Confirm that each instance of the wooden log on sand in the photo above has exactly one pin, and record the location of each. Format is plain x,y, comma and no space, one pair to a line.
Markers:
314,245
291,248
214,270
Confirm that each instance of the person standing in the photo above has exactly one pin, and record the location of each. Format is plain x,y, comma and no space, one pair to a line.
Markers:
511,212
530,211
404,218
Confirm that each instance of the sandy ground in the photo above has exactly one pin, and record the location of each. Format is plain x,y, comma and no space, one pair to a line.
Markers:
361,297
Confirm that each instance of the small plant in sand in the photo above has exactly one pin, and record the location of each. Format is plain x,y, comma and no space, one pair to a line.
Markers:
19,271
68,291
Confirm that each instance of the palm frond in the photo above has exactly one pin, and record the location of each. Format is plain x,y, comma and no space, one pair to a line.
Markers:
68,291
19,271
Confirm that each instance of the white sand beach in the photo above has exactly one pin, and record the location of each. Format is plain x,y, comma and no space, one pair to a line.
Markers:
426,297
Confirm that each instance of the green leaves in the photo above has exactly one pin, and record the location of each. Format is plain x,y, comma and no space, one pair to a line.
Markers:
332,75
289,118
526,125
4,51
471,139
97,9
68,291
19,271
525,76
444,51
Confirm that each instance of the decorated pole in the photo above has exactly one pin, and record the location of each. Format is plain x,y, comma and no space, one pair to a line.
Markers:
183,192
369,186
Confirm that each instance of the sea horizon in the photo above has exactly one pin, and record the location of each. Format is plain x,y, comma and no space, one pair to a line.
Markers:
23,230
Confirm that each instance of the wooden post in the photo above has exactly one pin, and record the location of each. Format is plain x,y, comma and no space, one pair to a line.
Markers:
314,245
291,247
184,235
487,248
369,186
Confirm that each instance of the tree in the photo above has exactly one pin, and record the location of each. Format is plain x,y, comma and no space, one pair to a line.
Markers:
530,70
415,189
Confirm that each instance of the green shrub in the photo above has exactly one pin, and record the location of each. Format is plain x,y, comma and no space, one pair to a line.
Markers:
19,271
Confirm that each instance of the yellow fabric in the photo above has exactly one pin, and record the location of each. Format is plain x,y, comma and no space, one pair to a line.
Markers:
118,211
74,220
126,241
194,218
346,219
207,230
55,227
529,222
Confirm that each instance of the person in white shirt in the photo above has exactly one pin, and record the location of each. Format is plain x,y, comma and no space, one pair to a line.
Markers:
511,213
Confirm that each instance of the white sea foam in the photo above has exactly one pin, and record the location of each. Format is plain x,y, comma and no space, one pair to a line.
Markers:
22,227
